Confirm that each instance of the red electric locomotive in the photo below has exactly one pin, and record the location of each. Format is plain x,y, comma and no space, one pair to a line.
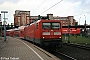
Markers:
45,33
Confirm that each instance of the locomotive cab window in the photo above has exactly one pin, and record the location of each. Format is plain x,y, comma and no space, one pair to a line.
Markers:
55,25
51,25
46,25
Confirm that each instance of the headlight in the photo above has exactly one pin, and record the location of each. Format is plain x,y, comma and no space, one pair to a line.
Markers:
43,37
59,37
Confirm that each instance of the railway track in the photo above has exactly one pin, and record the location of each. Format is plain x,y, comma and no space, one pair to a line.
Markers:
61,54
78,46
65,56
72,52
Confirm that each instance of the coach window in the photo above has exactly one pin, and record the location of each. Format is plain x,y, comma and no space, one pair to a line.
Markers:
37,26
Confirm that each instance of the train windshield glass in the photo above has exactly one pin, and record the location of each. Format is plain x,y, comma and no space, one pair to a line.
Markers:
46,25
51,25
55,25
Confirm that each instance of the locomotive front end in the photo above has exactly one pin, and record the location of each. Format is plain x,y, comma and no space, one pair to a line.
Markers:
51,33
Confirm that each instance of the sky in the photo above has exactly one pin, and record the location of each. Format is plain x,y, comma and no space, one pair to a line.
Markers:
78,8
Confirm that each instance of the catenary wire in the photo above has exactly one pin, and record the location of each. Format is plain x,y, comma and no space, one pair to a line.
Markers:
38,6
51,6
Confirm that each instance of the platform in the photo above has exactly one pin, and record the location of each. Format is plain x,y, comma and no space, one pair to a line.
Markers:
17,49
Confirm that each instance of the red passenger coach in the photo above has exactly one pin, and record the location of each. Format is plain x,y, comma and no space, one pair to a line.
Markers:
21,29
16,32
19,32
71,31
7,32
10,32
2,33
45,33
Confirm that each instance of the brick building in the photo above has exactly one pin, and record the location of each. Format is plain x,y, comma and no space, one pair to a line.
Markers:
22,18
69,20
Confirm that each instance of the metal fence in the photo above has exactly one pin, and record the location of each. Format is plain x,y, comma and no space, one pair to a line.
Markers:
83,38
